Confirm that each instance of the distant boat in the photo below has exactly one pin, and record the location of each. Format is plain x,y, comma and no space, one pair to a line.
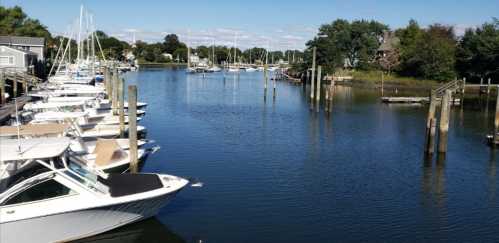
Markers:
250,69
214,69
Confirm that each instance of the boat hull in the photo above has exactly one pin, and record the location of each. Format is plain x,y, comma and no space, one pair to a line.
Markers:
80,224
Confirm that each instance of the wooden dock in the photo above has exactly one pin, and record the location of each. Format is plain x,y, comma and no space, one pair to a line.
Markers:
412,100
8,109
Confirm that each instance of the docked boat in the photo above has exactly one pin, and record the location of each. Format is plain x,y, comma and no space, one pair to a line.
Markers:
69,201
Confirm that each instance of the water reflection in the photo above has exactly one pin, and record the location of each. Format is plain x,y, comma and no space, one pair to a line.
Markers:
147,231
433,188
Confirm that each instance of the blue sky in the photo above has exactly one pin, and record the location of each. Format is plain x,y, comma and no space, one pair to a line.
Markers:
278,23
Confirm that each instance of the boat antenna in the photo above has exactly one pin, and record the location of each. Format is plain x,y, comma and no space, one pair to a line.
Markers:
18,128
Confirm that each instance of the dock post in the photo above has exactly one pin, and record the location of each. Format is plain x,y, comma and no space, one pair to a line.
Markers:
116,80
496,121
444,122
488,87
382,83
14,87
463,91
132,127
2,88
318,95
121,98
265,79
331,94
312,80
106,79
431,123
274,88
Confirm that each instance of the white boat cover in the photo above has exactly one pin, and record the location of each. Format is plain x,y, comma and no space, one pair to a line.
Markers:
34,148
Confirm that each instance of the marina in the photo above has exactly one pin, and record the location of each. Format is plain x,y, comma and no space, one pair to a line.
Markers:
203,127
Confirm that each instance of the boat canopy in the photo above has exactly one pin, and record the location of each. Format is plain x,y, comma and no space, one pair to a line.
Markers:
34,148
33,130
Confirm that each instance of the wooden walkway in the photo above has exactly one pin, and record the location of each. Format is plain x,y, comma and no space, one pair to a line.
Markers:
454,86
8,109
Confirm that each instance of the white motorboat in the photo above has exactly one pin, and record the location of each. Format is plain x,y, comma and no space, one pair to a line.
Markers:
250,69
71,201
17,155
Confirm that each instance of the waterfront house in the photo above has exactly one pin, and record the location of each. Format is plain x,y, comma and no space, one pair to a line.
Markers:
24,43
17,60
388,44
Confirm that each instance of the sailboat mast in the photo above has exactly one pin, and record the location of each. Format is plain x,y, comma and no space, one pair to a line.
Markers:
235,47
79,36
188,50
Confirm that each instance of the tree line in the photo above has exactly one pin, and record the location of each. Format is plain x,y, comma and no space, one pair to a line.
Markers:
434,52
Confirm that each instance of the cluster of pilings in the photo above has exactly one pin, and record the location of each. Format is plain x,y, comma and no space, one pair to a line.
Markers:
115,90
443,123
265,85
317,88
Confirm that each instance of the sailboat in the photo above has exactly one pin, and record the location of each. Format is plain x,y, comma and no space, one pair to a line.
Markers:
214,67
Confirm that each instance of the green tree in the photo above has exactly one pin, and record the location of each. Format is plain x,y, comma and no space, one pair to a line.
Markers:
477,54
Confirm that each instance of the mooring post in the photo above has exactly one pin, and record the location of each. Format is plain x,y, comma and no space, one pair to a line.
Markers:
496,121
488,87
2,88
444,122
106,79
265,79
312,80
116,80
14,87
331,94
274,84
430,137
463,91
121,98
132,127
318,95
382,83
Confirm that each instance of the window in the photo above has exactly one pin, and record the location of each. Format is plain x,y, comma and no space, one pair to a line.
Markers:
6,60
44,190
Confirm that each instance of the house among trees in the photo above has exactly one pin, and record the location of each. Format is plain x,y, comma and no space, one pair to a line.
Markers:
24,54
388,44
388,54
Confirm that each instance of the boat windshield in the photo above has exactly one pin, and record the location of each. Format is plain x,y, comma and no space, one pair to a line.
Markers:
81,174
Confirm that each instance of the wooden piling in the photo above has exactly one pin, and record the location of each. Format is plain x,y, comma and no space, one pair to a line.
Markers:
312,80
331,94
318,95
121,98
444,122
115,92
488,87
14,88
430,137
106,79
382,83
496,121
2,88
265,79
132,127
274,88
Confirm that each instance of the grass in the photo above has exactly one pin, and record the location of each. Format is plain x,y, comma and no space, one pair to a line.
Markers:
374,78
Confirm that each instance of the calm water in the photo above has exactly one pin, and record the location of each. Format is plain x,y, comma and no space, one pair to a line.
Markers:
277,172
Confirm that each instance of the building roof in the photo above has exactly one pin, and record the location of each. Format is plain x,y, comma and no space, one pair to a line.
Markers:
22,41
20,50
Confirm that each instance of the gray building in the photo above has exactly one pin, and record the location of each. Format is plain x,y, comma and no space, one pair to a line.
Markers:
17,60
30,44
